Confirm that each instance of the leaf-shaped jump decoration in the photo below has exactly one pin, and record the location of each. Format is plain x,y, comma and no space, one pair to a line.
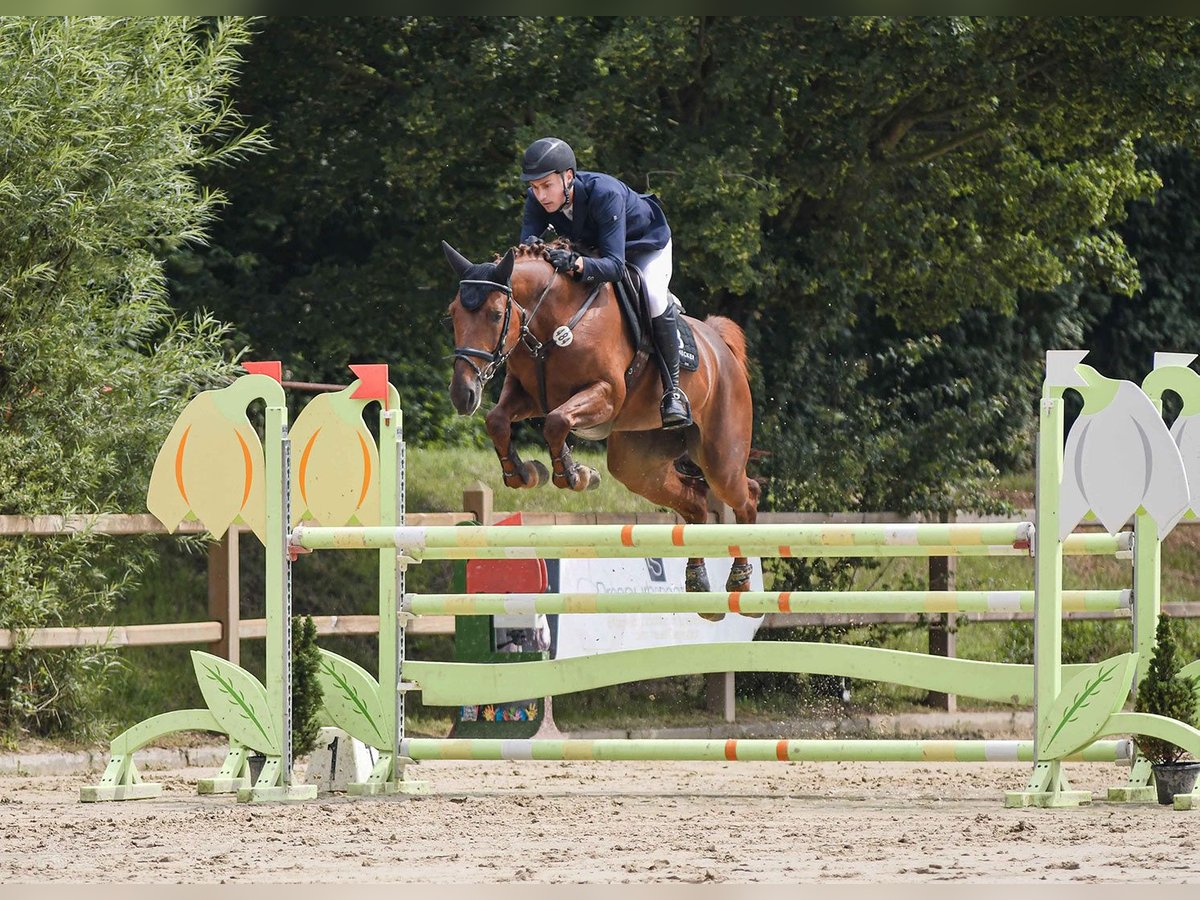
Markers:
237,700
1084,705
1192,672
352,700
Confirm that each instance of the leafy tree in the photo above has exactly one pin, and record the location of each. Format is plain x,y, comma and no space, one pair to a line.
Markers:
103,123
1163,234
901,211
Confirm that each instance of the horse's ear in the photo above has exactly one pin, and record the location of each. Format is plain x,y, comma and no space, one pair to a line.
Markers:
458,262
504,267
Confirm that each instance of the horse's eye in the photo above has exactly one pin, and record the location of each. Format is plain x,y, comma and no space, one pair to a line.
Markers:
448,323
494,316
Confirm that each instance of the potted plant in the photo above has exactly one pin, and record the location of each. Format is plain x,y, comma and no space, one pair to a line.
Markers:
1162,693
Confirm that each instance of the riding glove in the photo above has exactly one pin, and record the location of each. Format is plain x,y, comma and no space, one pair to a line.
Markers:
562,259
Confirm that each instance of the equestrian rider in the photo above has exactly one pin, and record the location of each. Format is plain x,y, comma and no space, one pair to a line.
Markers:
600,211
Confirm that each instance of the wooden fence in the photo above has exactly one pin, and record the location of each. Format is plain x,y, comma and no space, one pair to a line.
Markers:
225,629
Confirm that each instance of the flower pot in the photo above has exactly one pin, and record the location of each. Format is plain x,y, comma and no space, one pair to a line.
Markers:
1174,778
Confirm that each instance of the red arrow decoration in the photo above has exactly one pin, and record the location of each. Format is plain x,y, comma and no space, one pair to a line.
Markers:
374,378
271,368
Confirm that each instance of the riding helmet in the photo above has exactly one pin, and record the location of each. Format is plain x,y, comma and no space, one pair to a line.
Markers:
546,155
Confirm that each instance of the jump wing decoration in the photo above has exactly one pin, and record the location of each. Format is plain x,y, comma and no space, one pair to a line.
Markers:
335,463
1084,705
1172,373
1120,457
211,466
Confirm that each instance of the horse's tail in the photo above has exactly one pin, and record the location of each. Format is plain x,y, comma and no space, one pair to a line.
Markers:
733,336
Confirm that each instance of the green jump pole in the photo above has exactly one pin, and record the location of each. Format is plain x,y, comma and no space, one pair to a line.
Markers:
748,750
616,541
651,537
756,602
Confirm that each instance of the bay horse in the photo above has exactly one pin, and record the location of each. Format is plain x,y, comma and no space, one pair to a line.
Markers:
518,311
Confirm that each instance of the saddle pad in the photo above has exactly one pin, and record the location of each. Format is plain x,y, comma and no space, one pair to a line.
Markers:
689,359
630,299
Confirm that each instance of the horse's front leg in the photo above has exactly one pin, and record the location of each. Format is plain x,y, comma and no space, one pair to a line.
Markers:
590,407
514,405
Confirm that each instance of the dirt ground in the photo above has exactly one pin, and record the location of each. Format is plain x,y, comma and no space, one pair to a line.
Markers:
581,822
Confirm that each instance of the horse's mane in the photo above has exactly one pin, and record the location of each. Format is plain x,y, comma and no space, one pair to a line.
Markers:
524,251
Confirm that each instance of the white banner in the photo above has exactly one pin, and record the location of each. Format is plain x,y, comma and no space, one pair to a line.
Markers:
583,635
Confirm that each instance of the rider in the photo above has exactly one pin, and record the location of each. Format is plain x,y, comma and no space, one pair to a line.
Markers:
600,211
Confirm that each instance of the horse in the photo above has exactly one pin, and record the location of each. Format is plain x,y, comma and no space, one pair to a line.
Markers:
571,359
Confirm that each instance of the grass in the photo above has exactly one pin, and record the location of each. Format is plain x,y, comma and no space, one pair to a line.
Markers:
437,478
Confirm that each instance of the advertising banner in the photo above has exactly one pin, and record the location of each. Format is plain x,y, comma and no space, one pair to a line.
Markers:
582,635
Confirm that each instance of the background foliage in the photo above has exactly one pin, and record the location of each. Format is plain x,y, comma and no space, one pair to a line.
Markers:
103,125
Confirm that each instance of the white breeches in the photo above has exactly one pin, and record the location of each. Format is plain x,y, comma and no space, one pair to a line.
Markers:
656,272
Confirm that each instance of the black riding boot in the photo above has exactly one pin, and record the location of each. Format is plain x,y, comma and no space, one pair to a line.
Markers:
676,412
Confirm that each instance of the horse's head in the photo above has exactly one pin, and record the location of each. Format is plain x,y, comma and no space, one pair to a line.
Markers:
483,314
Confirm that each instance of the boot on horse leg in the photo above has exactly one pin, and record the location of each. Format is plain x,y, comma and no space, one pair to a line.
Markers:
675,409
517,472
569,474
696,579
521,474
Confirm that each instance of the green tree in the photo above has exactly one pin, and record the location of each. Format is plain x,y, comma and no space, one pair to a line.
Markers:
901,211
1162,234
103,124
1163,693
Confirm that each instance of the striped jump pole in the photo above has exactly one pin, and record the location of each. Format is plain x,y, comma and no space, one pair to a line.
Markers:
604,541
657,537
750,750
757,602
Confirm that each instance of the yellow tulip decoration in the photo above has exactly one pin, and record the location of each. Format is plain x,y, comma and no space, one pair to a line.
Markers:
210,468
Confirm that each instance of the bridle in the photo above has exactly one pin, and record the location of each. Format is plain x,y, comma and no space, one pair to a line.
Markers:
498,356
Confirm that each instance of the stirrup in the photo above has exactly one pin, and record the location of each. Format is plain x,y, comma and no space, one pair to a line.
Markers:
675,410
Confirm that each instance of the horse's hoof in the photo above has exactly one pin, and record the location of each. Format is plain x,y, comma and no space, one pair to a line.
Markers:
536,473
696,578
586,479
712,617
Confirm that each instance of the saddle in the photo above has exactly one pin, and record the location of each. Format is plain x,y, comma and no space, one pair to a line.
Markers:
631,298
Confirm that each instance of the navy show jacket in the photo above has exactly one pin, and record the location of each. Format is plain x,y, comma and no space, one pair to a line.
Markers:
608,215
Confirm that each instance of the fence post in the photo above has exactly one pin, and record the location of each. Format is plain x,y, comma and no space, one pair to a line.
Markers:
478,500
224,599
943,629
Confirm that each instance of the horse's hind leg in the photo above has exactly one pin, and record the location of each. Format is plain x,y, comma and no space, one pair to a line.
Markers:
722,452
643,461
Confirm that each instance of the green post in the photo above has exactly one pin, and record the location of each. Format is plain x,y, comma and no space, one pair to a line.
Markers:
1046,786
